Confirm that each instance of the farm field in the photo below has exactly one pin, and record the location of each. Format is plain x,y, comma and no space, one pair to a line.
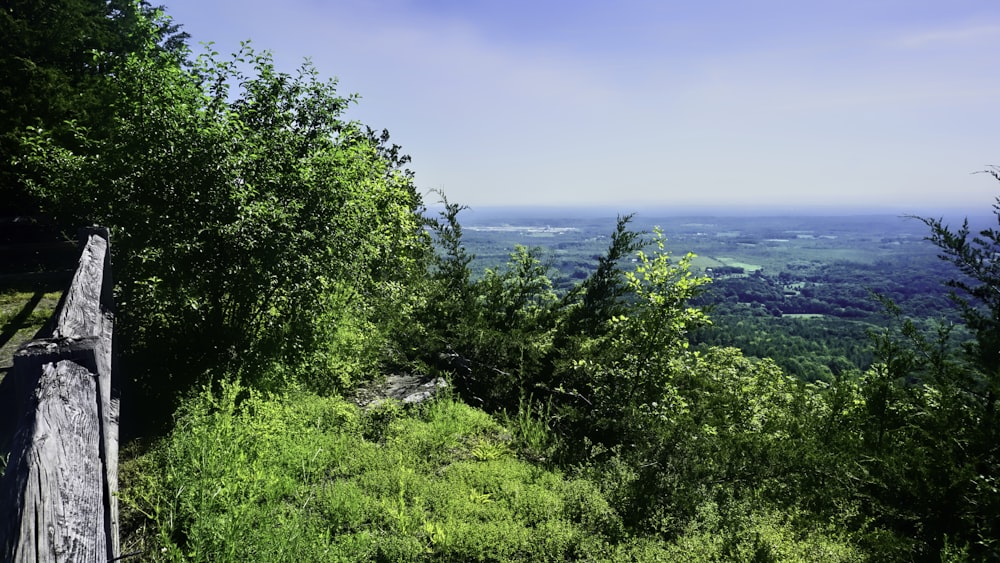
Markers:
771,243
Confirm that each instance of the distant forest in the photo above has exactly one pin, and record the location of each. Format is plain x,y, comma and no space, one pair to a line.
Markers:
805,292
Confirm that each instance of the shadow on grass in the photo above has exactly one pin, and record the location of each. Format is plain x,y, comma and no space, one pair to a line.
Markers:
14,324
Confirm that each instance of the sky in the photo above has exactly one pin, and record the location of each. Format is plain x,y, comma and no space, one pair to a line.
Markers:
888,104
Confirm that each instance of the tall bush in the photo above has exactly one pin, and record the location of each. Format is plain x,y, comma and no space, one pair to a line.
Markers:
240,200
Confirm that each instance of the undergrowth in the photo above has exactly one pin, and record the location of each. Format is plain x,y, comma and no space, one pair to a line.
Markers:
248,476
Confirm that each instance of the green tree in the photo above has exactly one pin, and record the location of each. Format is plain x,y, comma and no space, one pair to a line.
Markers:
600,296
54,57
511,335
251,223
963,399
916,434
625,371
449,291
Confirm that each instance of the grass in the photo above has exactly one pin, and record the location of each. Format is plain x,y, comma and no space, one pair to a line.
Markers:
297,477
736,263
22,315
248,476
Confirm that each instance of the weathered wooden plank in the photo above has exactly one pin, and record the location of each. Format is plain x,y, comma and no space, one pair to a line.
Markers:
62,477
58,514
111,475
88,312
81,313
29,359
109,426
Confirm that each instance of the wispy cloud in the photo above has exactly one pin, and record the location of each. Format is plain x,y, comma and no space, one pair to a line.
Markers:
652,101
964,36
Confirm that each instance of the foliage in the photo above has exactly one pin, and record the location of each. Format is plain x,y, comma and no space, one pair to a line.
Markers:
810,349
252,224
446,297
679,453
930,425
625,373
599,296
246,475
732,429
977,288
509,330
597,357
54,55
291,477
743,532
531,430
605,382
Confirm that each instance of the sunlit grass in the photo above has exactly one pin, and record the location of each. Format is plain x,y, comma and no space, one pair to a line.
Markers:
301,477
22,315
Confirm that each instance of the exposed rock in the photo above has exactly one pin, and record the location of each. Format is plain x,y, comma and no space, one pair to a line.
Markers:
407,389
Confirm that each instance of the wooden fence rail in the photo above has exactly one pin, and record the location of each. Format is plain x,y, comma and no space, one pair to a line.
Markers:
57,497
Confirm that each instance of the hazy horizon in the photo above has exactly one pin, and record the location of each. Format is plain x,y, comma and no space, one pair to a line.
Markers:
486,212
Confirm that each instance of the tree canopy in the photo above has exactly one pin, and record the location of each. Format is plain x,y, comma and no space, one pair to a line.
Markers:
55,56
252,223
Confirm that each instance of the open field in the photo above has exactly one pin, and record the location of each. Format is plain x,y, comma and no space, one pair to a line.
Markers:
773,244
735,263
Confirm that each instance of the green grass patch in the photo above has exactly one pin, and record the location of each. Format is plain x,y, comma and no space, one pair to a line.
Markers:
252,477
22,315
735,263
703,262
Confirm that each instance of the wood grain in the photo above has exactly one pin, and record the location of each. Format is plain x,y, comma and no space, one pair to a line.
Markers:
59,488
54,465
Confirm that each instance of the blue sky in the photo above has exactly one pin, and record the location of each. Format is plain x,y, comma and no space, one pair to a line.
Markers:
884,103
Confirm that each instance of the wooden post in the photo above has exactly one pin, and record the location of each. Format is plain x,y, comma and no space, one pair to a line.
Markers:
62,477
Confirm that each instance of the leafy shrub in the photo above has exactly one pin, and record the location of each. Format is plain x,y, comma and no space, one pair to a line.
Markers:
753,533
253,226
